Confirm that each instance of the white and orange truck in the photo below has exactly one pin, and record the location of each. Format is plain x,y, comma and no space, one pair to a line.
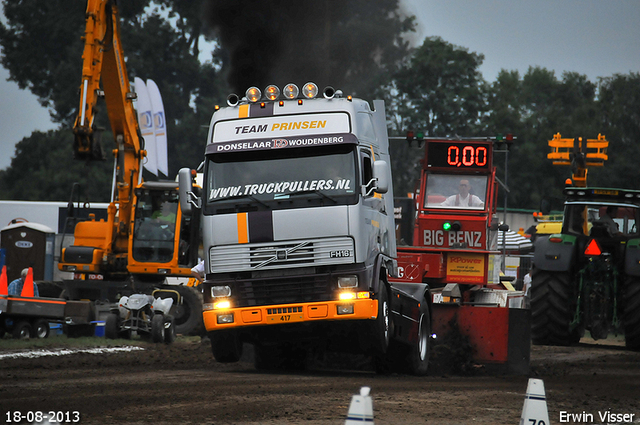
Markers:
299,233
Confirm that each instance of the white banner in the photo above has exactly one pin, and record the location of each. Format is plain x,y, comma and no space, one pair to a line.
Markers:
145,121
159,127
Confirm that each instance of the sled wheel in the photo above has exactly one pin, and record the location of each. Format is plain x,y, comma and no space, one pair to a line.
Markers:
41,328
22,330
552,309
226,346
417,359
631,313
157,328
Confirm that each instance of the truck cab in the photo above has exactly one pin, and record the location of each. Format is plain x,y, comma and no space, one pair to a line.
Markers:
298,223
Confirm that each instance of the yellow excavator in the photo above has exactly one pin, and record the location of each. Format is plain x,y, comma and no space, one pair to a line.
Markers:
146,238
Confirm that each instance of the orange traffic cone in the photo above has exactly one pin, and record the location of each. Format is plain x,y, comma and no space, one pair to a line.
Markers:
4,288
27,288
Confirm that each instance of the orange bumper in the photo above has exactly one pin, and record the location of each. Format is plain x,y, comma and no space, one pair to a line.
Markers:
288,313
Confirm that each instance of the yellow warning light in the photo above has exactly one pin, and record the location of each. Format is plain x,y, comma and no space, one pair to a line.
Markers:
290,91
310,90
253,94
272,92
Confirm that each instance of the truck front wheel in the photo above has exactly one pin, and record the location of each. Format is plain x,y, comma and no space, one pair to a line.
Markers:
226,346
552,309
631,313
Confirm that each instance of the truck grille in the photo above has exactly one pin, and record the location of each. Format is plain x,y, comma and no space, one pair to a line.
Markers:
283,290
281,255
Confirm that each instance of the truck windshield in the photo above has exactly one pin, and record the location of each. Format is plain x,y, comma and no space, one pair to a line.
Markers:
294,178
455,191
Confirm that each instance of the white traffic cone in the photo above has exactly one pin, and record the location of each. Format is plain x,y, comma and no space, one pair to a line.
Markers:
361,408
535,404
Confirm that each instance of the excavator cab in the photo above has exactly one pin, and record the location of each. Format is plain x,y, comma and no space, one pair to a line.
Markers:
161,233
155,226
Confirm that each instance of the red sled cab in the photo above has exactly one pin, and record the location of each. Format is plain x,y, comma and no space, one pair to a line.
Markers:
448,235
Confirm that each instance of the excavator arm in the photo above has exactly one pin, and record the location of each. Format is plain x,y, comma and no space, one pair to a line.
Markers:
103,61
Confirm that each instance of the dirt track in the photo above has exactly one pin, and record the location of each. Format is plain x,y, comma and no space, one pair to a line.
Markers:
182,384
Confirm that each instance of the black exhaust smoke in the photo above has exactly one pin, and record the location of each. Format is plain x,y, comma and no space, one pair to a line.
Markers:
329,42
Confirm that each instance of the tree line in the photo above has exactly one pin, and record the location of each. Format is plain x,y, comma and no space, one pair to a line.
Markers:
358,46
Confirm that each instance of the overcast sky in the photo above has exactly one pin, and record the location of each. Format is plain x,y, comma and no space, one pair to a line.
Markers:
597,38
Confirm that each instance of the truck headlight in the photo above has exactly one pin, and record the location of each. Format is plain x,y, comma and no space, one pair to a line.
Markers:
344,296
348,281
220,291
345,309
225,318
221,305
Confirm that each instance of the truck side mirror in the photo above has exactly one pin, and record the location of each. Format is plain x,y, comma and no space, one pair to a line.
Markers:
381,176
188,199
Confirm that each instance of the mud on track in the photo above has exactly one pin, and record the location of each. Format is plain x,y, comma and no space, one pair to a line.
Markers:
182,384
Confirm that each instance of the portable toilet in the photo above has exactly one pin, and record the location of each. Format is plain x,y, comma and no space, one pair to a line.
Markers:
28,245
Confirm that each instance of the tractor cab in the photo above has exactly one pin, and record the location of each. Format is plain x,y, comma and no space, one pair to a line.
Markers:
601,220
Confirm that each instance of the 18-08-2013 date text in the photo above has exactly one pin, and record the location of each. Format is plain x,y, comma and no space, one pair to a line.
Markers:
36,416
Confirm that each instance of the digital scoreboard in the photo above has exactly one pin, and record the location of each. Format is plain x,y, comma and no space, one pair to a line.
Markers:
456,155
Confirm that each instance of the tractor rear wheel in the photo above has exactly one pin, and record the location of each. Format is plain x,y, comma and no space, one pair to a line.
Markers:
631,313
553,303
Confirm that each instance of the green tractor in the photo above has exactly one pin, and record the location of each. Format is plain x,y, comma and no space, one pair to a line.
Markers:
588,276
